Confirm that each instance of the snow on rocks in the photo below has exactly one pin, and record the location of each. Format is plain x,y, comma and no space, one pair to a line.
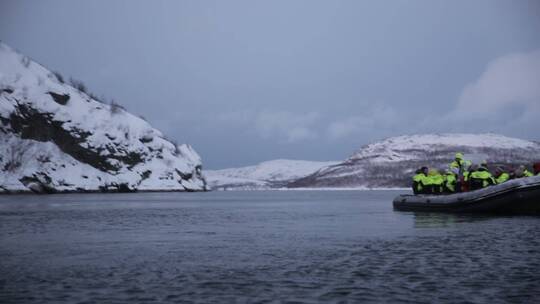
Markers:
54,137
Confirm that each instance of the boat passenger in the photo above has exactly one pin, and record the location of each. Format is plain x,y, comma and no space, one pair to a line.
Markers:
450,181
420,180
435,182
521,171
462,167
480,178
536,168
518,172
464,181
501,176
460,163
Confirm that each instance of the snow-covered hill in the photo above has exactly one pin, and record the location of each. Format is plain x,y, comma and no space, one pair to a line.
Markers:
386,164
54,137
266,175
391,162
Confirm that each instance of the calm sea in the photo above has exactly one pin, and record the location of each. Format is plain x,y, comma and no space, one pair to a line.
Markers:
259,247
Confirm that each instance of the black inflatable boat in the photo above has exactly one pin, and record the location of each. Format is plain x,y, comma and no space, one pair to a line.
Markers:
518,196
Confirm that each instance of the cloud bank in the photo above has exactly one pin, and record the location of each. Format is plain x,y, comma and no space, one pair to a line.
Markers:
511,81
378,118
292,127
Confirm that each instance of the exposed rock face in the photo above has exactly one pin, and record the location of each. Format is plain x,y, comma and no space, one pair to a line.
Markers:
392,162
61,99
54,138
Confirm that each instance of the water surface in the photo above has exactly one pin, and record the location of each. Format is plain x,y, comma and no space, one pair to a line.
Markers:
275,246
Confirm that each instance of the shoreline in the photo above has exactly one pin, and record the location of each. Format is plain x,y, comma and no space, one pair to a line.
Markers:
23,192
323,189
27,192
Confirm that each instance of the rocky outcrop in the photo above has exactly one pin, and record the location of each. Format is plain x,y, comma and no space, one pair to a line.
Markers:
57,138
61,99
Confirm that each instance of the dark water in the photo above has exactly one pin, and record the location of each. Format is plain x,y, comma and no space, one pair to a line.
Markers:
223,247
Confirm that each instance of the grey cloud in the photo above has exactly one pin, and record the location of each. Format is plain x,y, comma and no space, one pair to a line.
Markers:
285,125
379,118
509,81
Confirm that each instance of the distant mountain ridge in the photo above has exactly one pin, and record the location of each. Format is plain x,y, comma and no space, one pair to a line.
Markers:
58,138
392,162
266,175
389,163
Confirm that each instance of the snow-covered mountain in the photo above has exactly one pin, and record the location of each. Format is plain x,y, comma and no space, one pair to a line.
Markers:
54,137
386,164
266,175
391,162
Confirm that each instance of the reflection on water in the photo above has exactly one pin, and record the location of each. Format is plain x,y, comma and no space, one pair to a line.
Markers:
445,220
223,247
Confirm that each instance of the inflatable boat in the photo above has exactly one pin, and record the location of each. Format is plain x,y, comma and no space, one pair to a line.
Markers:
517,196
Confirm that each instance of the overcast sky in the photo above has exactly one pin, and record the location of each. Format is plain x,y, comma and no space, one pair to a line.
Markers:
248,81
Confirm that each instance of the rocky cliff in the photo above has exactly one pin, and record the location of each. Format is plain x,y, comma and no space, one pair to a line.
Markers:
55,137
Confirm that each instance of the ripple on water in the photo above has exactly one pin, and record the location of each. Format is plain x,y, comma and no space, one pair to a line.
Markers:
312,252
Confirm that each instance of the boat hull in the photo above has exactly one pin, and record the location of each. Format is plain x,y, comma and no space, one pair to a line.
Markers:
519,196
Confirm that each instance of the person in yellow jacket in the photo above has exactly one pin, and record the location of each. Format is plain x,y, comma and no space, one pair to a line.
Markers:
462,166
480,178
521,171
501,176
460,163
420,181
435,182
450,181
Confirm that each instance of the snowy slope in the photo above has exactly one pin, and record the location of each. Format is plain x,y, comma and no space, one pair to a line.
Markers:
54,137
399,148
266,175
391,162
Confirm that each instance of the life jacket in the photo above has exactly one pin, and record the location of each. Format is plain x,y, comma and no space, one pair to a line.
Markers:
527,173
460,164
480,179
502,178
450,182
435,183
419,183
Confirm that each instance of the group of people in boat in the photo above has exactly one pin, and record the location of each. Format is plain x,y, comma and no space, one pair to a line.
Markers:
462,175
